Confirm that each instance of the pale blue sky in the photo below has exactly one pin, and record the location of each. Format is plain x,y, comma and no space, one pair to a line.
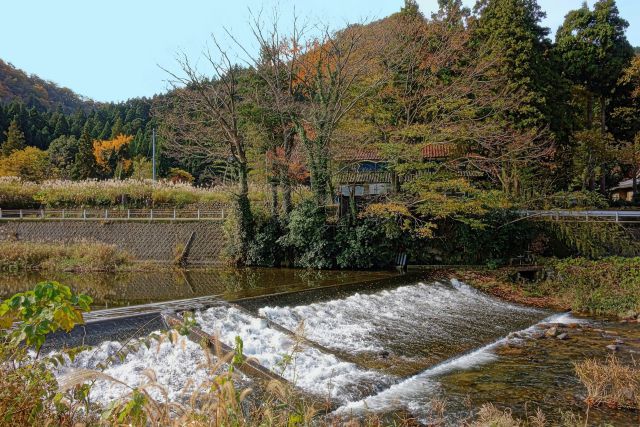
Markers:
110,50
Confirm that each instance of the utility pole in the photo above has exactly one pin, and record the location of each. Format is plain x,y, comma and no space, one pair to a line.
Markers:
153,154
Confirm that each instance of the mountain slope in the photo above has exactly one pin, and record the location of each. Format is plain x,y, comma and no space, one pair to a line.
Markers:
34,91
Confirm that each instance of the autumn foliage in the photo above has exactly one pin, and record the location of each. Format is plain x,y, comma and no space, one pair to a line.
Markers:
112,155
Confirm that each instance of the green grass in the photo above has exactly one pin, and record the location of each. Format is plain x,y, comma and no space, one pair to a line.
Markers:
608,287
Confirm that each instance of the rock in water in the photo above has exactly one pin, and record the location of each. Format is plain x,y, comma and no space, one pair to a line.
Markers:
552,332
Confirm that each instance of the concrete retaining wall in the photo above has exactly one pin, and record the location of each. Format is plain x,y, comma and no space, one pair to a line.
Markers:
145,241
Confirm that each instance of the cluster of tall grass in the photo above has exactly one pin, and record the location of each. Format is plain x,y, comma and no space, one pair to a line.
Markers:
611,382
17,193
42,256
607,287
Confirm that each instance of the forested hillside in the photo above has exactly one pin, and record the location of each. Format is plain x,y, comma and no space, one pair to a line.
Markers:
49,122
33,91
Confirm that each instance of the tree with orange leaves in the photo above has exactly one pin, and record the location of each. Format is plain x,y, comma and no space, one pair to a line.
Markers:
112,156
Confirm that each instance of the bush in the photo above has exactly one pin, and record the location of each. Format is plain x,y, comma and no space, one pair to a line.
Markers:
309,237
610,286
265,249
366,244
496,243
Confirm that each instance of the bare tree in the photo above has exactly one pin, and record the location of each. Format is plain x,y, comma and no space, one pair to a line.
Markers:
203,119
310,84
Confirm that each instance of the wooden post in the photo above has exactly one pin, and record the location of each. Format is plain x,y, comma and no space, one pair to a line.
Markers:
106,213
128,213
42,213
63,214
84,214
20,213
151,214
174,213
198,213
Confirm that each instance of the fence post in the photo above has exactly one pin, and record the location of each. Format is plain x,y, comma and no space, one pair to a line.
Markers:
84,214
198,213
20,213
106,213
222,213
151,214
0,212
63,215
42,213
174,213
128,213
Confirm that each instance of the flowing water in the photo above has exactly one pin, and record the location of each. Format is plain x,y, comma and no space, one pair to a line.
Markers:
178,366
393,348
407,329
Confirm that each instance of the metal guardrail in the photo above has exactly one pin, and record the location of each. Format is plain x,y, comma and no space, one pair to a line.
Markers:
112,214
594,216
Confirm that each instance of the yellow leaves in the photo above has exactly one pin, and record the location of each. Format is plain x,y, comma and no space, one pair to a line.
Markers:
103,150
110,154
386,210
30,164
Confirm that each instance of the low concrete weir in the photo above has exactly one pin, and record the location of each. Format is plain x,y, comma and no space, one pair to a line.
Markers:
250,367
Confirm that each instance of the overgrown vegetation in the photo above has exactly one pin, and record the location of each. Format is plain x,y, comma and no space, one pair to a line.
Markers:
610,382
609,286
83,256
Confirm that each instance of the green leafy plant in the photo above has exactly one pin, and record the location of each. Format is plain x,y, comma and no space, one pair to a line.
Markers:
48,308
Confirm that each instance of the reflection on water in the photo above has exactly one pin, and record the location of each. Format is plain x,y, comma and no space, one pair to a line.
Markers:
133,288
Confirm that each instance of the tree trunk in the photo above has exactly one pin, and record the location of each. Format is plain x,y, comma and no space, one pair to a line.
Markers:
274,198
245,218
590,105
319,172
285,180
603,132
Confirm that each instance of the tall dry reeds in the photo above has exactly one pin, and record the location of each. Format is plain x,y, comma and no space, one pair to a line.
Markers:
42,256
611,382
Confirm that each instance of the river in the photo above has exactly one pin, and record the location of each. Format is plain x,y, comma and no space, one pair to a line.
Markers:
379,343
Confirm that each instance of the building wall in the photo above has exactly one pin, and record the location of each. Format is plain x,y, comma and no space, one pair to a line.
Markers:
145,241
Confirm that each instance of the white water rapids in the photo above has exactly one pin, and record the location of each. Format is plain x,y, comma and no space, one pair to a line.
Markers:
440,327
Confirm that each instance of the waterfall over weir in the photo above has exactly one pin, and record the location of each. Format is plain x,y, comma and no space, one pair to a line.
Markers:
381,350
410,327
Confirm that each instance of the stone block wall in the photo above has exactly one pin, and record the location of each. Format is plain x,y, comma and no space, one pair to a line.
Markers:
145,241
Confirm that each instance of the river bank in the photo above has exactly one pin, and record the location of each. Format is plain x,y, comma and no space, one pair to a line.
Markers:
608,287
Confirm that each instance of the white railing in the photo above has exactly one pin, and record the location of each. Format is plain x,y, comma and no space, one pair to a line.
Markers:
112,214
590,215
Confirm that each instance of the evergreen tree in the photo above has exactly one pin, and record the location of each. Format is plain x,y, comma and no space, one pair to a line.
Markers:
410,7
62,126
62,154
116,129
511,30
595,51
15,139
85,163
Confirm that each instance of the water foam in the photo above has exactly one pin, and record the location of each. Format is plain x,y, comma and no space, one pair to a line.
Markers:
401,319
178,367
308,368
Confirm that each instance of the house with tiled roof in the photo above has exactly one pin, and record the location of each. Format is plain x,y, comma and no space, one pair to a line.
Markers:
363,173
